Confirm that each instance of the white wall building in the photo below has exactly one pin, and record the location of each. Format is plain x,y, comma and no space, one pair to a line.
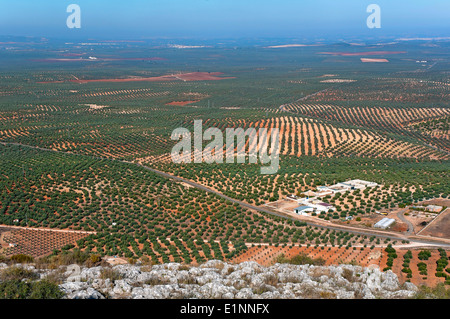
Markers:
342,187
313,206
384,223
304,210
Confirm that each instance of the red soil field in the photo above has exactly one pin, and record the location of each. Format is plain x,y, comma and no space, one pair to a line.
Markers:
181,103
362,53
35,242
373,60
202,76
266,256
194,76
97,59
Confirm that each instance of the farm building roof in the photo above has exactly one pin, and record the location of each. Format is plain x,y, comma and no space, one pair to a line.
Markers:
384,223
303,207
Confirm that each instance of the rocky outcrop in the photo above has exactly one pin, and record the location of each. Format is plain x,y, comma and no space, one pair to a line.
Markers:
216,279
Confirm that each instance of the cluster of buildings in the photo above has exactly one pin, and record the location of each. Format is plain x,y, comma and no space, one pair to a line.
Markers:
310,203
434,208
308,206
342,187
429,208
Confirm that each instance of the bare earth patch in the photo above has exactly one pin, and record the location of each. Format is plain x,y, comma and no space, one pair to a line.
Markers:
439,227
373,60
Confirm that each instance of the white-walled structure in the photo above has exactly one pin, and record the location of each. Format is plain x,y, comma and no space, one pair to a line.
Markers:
304,210
384,223
309,206
341,187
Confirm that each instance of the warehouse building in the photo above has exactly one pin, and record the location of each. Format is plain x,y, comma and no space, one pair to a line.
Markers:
304,210
384,223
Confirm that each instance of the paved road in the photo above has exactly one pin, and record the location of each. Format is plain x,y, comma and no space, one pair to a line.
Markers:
407,222
382,234
354,230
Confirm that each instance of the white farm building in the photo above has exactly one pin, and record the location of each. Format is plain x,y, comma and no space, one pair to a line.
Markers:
311,206
304,210
342,187
384,223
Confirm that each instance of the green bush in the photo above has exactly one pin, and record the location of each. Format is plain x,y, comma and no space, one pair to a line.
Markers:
17,289
14,289
45,289
424,254
438,292
301,259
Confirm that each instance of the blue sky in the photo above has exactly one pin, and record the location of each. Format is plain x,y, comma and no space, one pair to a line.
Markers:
224,18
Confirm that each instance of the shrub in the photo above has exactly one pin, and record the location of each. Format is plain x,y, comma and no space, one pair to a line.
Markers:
424,254
422,268
70,257
93,260
45,289
301,259
154,281
438,292
17,273
111,274
14,289
22,259
3,259
348,274
17,289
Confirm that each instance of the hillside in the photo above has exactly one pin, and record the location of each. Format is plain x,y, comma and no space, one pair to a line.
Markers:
220,280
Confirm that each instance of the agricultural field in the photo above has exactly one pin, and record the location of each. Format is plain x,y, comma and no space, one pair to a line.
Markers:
80,137
36,242
134,214
419,266
308,173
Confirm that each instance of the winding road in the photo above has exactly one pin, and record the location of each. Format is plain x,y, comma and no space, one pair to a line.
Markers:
407,222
